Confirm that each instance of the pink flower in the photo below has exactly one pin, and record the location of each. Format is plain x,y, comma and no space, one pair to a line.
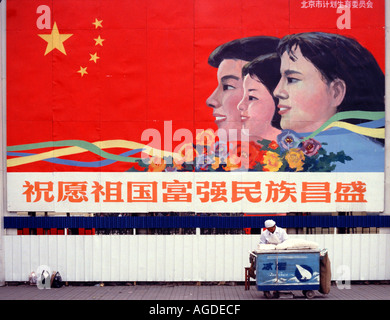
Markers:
310,147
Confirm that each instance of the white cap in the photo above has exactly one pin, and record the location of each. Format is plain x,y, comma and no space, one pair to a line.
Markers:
269,223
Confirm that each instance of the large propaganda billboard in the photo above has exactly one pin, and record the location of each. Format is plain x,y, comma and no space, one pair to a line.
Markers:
248,106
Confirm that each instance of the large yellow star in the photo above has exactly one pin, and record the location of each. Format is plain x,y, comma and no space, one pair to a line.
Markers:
55,40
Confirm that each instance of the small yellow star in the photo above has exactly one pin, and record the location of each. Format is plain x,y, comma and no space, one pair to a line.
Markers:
97,23
55,40
83,71
99,41
94,57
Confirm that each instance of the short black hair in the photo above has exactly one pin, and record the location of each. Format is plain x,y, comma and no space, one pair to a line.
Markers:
267,69
245,49
336,56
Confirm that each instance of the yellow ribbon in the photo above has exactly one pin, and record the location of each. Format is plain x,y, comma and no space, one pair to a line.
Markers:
378,133
101,144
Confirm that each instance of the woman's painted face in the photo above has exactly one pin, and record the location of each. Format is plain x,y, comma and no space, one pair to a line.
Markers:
227,95
306,100
257,107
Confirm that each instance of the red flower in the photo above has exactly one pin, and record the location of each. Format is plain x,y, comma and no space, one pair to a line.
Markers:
273,145
245,155
256,155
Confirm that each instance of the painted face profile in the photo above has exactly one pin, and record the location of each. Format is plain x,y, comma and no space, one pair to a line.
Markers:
227,95
229,58
306,98
257,110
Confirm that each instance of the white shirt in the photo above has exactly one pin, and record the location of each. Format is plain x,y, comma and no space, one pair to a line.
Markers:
277,237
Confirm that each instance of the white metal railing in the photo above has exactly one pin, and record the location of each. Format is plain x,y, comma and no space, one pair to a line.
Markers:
179,257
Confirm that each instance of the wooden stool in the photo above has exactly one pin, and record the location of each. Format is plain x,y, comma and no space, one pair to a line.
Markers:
247,279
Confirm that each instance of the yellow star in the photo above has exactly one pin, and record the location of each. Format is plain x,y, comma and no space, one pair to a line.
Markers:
99,41
97,23
94,57
55,40
83,71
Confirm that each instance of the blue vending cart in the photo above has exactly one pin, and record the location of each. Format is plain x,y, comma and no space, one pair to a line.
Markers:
279,270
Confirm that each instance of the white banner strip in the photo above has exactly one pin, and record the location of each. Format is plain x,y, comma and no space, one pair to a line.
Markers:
249,192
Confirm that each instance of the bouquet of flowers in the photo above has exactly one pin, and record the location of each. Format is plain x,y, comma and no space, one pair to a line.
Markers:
289,153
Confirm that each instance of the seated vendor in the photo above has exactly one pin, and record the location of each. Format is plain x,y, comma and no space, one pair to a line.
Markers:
272,234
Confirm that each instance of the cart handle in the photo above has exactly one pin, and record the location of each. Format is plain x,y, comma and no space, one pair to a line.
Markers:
250,252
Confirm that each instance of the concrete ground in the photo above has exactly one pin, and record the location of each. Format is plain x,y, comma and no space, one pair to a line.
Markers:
189,301
173,291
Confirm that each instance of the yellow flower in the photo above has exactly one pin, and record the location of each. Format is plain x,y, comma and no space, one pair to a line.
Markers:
233,162
272,161
205,138
295,159
216,163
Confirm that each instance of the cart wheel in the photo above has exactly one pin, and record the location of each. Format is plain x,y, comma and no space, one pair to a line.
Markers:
268,294
308,293
276,294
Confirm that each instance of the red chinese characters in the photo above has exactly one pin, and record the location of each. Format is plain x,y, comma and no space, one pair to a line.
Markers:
188,191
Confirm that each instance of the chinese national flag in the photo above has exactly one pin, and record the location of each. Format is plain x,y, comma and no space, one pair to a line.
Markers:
98,70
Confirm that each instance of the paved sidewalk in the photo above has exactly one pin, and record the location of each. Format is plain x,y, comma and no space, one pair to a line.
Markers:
183,292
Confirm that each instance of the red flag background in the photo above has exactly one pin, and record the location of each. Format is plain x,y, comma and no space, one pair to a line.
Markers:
151,66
